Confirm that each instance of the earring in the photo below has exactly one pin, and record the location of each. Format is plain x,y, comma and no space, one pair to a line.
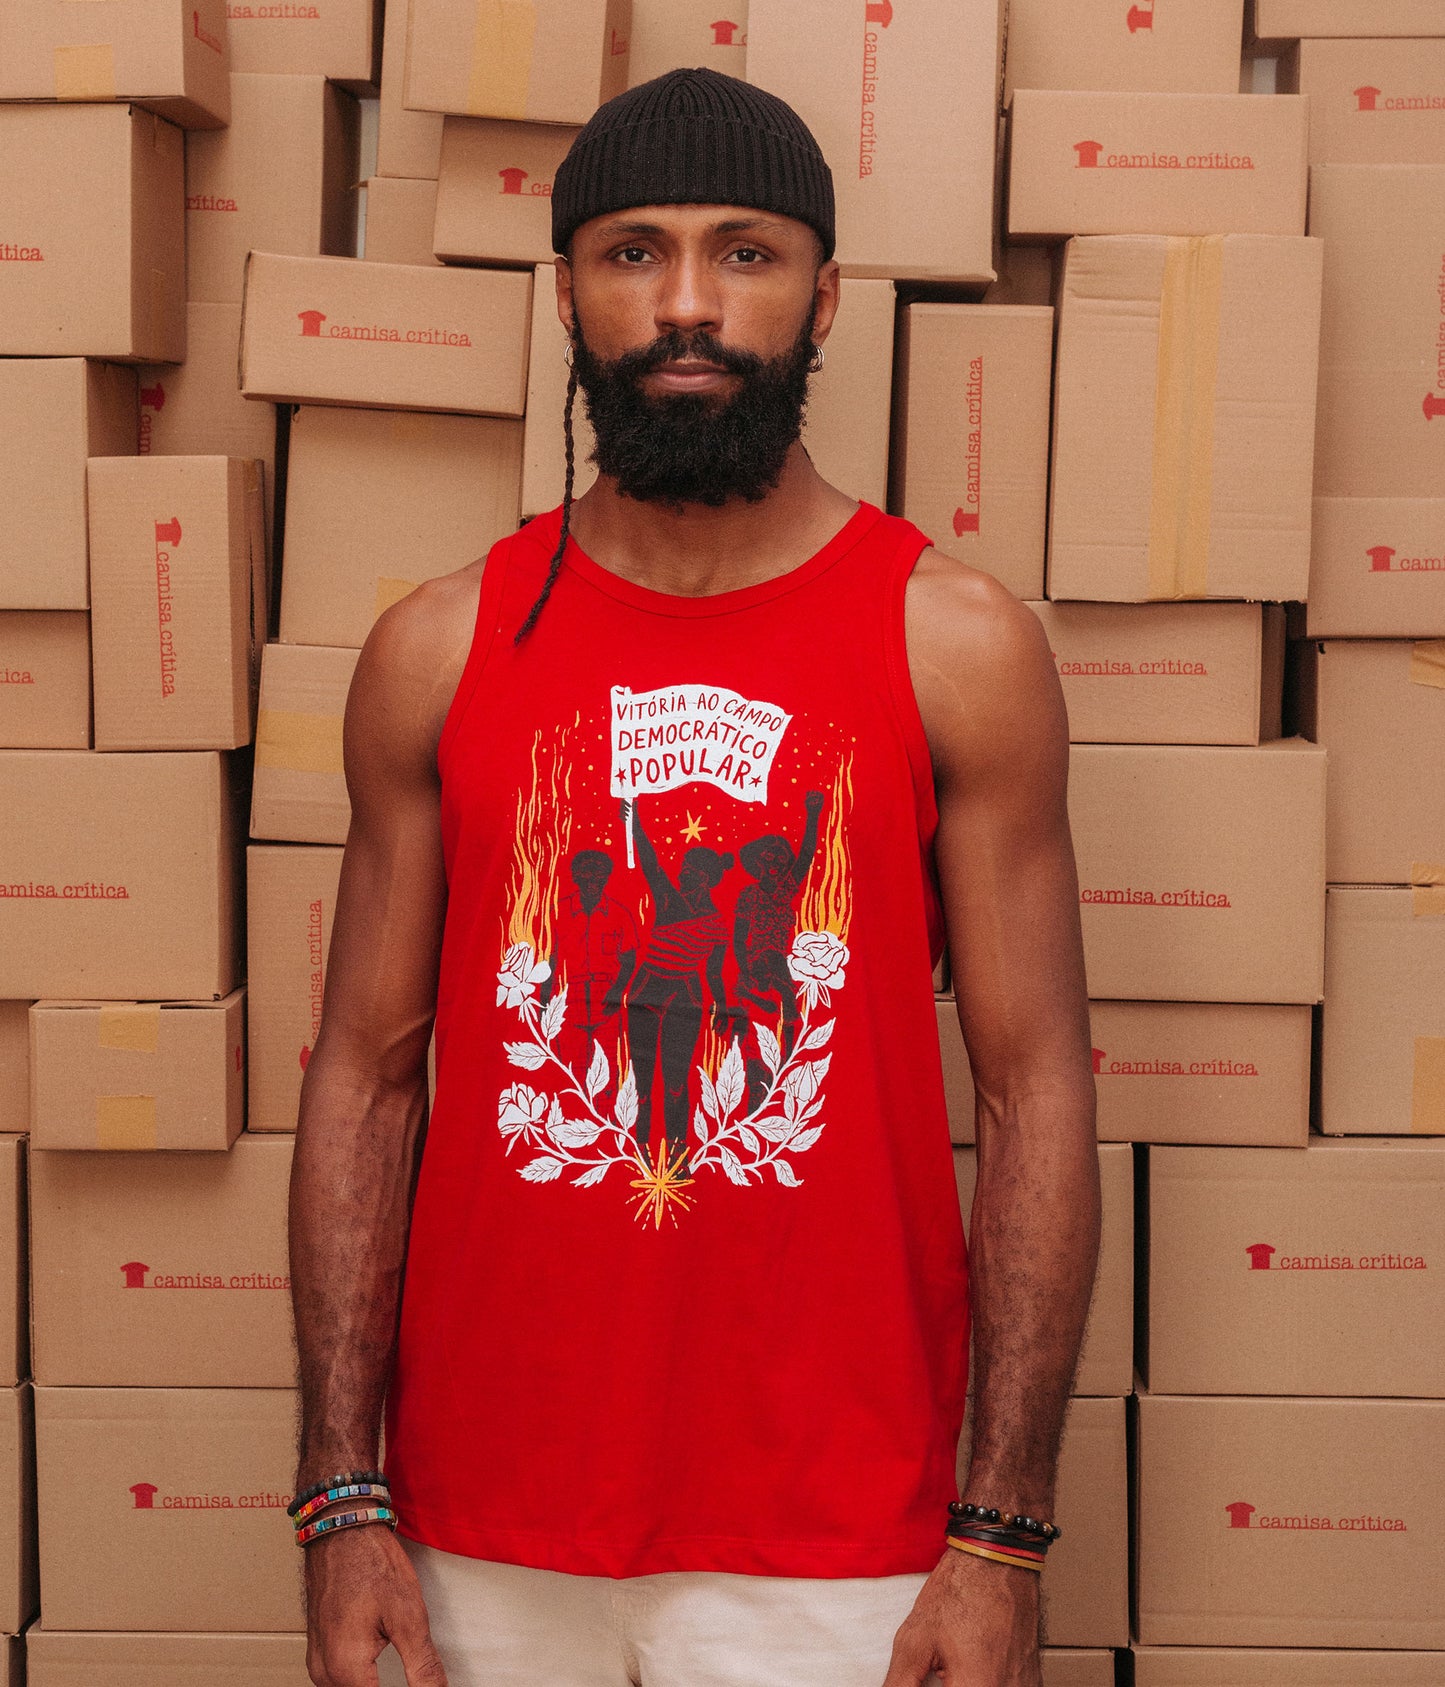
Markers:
567,354
815,362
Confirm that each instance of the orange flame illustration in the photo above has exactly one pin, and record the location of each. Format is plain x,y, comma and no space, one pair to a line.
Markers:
542,839
827,899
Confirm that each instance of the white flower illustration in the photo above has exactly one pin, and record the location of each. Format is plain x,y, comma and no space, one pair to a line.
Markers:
816,961
521,973
519,1107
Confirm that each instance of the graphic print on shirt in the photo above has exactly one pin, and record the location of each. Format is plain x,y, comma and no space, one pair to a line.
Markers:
672,992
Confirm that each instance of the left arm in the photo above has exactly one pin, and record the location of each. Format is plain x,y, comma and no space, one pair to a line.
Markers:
997,728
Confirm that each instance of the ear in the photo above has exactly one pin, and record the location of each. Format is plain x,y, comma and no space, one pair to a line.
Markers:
826,296
565,311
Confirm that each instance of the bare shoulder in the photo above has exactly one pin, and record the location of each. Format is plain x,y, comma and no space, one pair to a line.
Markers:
980,663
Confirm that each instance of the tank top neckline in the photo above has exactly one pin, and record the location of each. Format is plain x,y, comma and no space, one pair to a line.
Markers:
646,598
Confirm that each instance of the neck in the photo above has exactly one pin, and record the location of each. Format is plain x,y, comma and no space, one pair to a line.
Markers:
698,551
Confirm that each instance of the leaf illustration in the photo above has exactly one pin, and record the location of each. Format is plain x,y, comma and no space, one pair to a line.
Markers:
625,1108
786,1174
768,1048
553,1014
594,1174
749,1141
597,1071
573,1133
733,1167
699,1125
805,1139
730,1081
820,1071
818,1035
774,1128
542,1169
709,1096
529,1056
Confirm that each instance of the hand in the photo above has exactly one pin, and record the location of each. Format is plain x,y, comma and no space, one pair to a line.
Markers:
813,803
361,1593
722,1019
626,810
975,1621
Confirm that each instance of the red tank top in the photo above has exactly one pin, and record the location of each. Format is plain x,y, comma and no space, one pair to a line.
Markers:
687,1285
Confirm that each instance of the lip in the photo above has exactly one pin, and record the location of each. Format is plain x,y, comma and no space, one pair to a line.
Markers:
690,375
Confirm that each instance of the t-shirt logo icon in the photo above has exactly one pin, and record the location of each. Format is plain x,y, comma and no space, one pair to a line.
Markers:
1433,406
1240,1512
145,1495
879,12
1088,152
169,532
153,398
1140,17
311,321
965,521
1381,556
724,34
1365,99
1259,1253
512,179
1098,1055
135,1274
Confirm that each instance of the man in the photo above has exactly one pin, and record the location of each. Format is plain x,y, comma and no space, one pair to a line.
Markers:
693,1422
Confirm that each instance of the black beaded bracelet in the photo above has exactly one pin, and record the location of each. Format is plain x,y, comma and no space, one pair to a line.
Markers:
336,1481
989,1515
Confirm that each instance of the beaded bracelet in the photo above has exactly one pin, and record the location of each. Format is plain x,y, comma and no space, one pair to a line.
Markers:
347,1491
333,1482
346,1520
976,1516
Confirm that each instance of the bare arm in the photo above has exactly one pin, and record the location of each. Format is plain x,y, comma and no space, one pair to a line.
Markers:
363,1116
995,719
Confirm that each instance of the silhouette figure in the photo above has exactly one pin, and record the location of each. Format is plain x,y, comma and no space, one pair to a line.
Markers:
679,967
594,947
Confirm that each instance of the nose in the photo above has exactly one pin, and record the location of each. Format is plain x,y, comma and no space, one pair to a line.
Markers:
688,300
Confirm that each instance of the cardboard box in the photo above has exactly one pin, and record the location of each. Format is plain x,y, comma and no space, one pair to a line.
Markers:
1277,20
44,679
971,441
1262,1666
179,600
137,1075
173,59
380,500
14,1262
1378,707
1168,673
55,412
400,217
18,1584
1382,1040
674,34
236,198
1140,48
1382,361
1184,416
195,409
1377,568
99,270
1276,1271
1201,870
396,336
1106,1360
1101,163
554,61
494,190
1076,1666
163,1271
120,876
1027,274
57,1659
164,1508
1371,102
1086,1602
1208,1072
1289,1522
408,143
299,791
337,39
290,905
14,1066
903,103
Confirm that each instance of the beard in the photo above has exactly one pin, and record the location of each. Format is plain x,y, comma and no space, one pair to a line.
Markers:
695,448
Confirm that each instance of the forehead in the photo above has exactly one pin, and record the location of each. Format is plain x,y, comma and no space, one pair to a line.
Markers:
692,222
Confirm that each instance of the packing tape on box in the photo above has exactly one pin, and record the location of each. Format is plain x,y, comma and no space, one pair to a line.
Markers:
85,73
125,1121
1427,662
1427,884
1183,477
129,1025
1427,1092
501,58
300,743
389,591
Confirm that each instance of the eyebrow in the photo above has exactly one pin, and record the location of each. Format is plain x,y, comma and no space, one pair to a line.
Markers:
733,225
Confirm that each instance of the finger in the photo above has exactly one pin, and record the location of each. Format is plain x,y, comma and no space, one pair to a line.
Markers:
909,1666
422,1663
349,1669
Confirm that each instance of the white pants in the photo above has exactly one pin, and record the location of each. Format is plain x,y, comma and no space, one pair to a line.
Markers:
510,1625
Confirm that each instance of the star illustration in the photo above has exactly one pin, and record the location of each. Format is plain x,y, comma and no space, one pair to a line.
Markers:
694,828
660,1189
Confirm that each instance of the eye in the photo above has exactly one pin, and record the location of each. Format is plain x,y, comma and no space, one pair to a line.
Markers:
633,254
749,255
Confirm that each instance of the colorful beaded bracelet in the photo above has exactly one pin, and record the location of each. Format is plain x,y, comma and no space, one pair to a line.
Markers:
346,1520
336,1481
977,1515
347,1491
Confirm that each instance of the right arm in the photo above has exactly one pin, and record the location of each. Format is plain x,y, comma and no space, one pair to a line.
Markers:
363,1120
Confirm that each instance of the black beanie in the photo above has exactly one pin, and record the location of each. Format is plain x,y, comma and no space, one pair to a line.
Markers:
694,137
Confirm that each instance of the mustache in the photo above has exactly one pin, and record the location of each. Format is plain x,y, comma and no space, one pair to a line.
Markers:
677,347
